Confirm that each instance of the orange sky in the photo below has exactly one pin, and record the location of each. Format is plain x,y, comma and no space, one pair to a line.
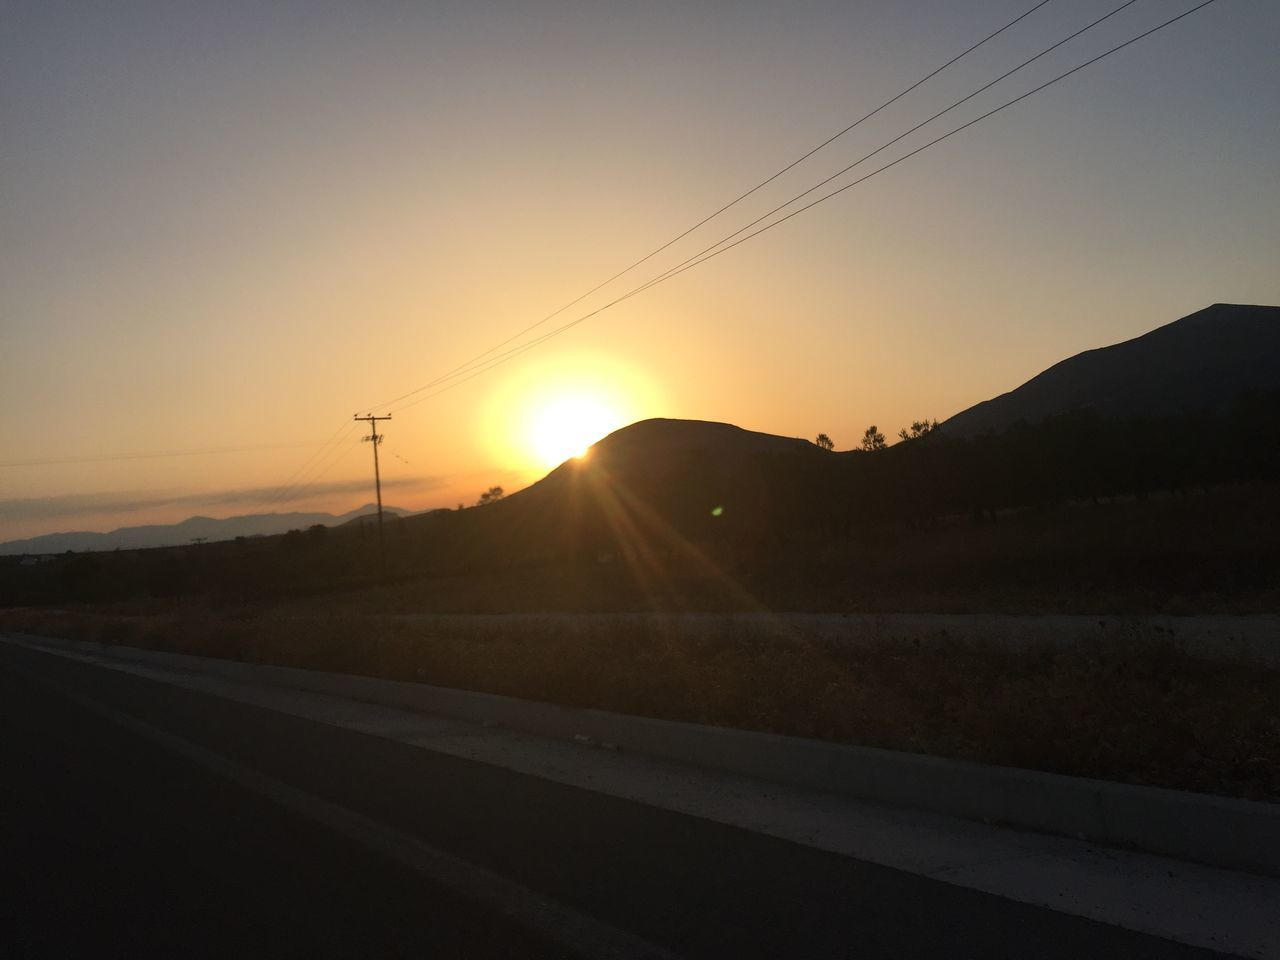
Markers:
234,228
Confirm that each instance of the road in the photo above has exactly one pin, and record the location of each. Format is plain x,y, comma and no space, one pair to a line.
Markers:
142,819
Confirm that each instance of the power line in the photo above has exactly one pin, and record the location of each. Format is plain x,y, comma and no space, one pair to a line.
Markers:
926,146
318,470
711,251
902,136
279,492
672,270
340,455
707,219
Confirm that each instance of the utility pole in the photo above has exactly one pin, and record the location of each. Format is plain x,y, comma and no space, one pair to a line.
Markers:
375,438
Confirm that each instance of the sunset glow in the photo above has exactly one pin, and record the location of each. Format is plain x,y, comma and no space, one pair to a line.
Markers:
553,409
567,425
228,227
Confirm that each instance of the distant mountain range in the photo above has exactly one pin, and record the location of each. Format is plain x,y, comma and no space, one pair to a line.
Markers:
193,528
1202,362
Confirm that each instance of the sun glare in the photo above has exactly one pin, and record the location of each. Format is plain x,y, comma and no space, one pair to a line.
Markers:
565,426
553,408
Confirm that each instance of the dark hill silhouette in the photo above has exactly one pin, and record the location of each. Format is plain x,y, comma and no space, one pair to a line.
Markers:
368,514
667,436
1201,362
663,460
650,488
655,451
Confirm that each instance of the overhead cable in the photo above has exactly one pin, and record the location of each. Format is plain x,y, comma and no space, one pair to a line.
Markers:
463,368
712,251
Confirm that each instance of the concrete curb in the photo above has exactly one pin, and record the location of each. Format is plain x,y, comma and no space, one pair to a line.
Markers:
1219,831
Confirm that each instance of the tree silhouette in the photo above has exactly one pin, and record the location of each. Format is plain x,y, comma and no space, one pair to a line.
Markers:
492,495
873,439
918,429
825,442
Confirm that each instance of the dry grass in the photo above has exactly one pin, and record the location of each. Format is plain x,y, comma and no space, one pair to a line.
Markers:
1132,711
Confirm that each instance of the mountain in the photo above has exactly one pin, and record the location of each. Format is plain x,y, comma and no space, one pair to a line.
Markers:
176,534
647,488
650,449
666,437
1202,362
664,458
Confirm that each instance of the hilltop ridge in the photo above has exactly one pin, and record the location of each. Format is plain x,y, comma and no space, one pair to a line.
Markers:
1200,362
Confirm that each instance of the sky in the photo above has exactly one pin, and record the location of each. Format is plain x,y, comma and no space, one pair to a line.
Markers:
225,228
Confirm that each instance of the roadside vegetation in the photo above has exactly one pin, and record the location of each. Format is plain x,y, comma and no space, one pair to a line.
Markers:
1214,551
1128,710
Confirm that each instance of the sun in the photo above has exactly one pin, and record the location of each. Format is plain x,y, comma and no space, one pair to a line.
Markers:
551,409
564,426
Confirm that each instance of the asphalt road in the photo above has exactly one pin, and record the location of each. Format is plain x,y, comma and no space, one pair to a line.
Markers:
114,843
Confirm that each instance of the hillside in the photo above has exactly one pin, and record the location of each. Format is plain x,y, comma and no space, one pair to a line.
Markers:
1201,362
649,488
655,452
